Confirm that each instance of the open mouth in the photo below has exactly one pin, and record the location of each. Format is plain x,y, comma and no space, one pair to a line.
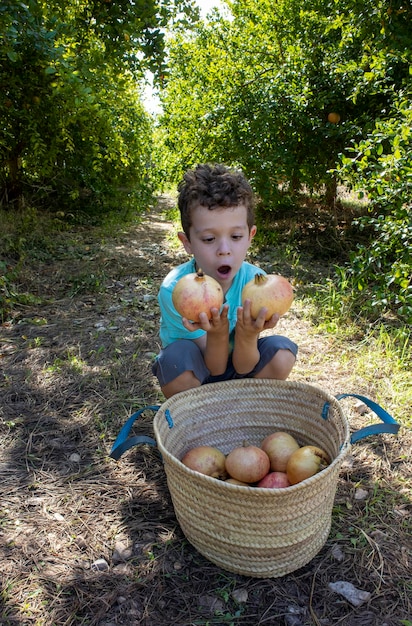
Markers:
224,270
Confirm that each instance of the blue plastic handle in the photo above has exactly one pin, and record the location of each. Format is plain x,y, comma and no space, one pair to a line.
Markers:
124,442
389,425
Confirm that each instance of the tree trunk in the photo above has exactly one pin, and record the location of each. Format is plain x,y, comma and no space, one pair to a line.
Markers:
13,193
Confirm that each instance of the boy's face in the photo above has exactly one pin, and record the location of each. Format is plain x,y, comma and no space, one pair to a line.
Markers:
219,241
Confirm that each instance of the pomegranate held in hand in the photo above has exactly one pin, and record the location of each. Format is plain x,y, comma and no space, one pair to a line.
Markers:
206,460
279,447
274,480
247,463
197,293
271,291
306,462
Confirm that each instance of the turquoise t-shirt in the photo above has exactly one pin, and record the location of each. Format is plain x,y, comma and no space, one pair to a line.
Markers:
171,327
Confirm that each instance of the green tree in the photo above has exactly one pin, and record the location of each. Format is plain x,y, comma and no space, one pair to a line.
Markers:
381,167
73,129
257,89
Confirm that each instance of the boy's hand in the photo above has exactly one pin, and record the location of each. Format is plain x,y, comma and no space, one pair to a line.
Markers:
246,325
218,324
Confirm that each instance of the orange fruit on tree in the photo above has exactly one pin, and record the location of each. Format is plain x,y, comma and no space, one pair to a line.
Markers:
333,118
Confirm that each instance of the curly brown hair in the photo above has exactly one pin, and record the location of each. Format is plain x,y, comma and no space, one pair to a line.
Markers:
214,187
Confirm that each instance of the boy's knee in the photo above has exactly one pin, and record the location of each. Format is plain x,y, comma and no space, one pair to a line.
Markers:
279,367
183,382
287,361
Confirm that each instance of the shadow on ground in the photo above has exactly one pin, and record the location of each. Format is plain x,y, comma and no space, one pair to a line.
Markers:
88,540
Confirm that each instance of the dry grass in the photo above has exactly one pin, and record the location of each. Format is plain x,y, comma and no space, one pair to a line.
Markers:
72,371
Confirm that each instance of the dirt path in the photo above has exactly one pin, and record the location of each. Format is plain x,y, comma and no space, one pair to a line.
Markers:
85,540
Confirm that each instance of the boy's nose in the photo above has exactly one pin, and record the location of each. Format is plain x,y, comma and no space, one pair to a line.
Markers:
224,249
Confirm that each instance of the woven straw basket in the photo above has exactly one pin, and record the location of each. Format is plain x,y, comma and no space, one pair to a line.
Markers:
248,530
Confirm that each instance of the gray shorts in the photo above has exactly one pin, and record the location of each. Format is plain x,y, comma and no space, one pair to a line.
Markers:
185,355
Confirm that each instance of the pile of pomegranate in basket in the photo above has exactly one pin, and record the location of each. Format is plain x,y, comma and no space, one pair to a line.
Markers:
279,462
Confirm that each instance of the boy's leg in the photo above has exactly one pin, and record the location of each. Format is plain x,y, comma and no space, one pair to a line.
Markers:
179,367
277,357
185,381
279,367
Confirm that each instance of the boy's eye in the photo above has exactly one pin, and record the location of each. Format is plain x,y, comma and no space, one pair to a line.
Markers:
237,237
208,239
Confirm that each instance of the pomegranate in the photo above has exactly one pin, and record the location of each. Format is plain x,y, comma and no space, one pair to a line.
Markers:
206,460
271,291
247,463
274,480
279,446
306,462
196,293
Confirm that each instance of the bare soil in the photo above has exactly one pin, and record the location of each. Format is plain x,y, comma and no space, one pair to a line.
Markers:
88,540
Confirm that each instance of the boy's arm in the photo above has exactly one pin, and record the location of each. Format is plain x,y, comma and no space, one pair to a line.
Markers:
245,352
215,343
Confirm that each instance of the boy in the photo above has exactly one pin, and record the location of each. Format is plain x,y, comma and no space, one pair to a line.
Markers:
217,213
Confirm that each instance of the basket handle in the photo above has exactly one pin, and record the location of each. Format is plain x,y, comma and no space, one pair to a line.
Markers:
124,442
389,424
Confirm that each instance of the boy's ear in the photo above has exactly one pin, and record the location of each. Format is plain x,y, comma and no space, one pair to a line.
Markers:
185,242
252,232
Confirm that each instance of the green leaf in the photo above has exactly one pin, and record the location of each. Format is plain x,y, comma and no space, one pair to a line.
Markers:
13,56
